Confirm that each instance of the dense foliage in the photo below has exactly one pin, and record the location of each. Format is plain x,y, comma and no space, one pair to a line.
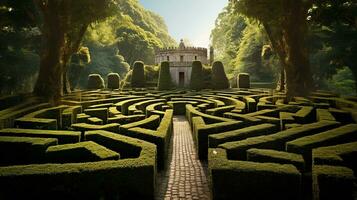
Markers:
131,33
330,44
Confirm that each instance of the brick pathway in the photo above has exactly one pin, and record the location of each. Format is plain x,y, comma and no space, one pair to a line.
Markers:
186,176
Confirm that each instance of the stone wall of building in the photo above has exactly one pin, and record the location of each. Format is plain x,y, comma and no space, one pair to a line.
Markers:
181,59
182,55
175,75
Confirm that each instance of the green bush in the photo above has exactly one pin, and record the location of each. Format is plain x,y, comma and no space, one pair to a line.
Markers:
101,113
340,155
159,136
250,180
64,137
201,131
332,182
164,76
219,77
23,150
88,151
241,134
138,75
304,145
272,156
276,141
113,81
196,82
92,180
95,81
243,80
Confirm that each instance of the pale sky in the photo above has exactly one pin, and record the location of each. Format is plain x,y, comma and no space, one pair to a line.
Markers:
191,19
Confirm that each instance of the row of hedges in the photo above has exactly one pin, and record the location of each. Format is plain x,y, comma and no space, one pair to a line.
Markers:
101,179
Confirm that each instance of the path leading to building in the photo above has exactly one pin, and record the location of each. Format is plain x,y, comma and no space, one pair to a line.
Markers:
185,177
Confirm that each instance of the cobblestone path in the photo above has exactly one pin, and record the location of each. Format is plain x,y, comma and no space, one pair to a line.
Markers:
185,177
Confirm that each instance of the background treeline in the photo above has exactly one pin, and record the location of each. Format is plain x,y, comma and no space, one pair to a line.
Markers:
113,45
243,46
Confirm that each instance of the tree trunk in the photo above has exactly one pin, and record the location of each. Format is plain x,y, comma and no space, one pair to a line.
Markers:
49,82
275,38
297,66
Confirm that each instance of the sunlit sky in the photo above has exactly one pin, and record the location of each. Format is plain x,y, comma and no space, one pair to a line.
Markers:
190,19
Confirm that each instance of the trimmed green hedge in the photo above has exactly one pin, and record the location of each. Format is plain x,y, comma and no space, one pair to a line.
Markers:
243,80
69,116
151,123
276,141
138,75
304,145
250,180
201,131
141,106
241,134
209,119
126,119
113,81
272,156
123,106
95,82
36,123
64,137
8,115
324,114
155,109
165,81
83,127
23,150
219,77
101,113
331,182
179,107
92,180
196,81
79,152
160,137
220,110
340,155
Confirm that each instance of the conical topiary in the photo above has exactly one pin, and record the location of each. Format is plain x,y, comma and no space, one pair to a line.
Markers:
219,77
138,75
196,82
164,76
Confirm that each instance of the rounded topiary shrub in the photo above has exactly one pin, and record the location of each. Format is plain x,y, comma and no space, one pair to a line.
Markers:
243,80
164,76
95,81
196,82
138,75
219,77
113,81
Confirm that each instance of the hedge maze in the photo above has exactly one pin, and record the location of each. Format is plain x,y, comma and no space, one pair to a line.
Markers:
111,143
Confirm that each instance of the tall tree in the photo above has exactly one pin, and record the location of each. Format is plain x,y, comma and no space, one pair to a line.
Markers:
285,23
338,19
64,25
